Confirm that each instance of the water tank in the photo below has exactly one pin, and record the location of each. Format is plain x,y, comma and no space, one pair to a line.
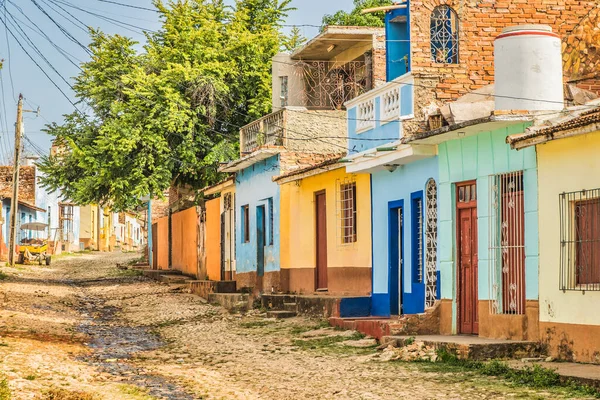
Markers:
528,69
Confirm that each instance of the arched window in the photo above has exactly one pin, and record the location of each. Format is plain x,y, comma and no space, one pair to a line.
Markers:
431,217
444,35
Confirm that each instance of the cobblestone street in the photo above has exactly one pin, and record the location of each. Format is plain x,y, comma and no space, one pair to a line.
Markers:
86,329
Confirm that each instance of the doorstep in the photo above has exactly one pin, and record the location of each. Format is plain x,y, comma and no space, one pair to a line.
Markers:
586,374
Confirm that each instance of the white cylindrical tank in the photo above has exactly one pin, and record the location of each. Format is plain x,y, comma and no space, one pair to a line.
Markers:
528,69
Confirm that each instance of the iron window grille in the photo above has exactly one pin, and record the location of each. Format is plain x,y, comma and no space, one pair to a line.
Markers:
246,223
580,240
444,35
431,233
283,82
417,236
271,223
507,243
347,211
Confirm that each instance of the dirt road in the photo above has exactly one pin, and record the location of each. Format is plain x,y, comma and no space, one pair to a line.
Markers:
83,329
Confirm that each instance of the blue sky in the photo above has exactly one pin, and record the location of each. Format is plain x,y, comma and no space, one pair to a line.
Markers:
21,75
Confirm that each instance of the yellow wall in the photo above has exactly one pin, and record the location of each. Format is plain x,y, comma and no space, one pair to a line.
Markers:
565,165
298,225
88,226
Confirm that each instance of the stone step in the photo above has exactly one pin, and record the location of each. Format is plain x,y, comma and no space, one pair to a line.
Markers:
170,278
280,314
293,307
235,302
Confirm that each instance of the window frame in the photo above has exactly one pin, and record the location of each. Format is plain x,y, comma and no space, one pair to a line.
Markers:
417,237
443,37
348,212
245,221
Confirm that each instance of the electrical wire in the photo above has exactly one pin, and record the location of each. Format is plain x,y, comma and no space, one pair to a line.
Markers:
128,5
12,85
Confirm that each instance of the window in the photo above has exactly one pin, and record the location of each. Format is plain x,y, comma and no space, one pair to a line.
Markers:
348,212
580,240
444,35
430,243
507,243
271,223
417,236
246,224
283,83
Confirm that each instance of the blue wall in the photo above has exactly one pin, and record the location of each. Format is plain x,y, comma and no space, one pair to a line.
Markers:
254,187
388,187
24,215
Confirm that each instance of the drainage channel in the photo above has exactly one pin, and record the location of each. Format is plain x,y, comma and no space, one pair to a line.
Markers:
113,345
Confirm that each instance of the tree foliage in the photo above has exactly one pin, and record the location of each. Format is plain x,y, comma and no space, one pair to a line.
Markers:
355,18
168,115
294,40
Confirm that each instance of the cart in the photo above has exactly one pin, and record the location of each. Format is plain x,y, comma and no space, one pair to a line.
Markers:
34,248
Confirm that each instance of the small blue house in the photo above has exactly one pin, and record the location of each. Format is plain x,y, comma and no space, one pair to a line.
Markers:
404,182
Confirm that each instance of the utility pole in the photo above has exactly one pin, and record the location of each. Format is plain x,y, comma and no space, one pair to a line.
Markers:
14,205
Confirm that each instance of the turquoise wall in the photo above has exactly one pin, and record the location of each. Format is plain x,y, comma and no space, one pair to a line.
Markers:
478,157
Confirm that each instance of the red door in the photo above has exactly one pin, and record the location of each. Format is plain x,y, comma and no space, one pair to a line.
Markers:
466,210
321,227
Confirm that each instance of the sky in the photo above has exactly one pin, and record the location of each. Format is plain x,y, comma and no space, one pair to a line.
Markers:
21,75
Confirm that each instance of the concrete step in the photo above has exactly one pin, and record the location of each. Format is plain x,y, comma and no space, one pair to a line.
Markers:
472,347
280,314
234,302
292,307
170,278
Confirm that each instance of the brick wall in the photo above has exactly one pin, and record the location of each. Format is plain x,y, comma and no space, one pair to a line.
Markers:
480,22
26,183
290,160
303,125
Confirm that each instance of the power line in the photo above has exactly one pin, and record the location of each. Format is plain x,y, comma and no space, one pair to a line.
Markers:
12,85
129,5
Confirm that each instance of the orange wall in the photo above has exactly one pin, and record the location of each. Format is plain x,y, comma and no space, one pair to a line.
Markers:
184,225
162,243
213,239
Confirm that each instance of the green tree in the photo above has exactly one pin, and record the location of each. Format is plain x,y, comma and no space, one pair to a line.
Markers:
355,18
294,40
169,115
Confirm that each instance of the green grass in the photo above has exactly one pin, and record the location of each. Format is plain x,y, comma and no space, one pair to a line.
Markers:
256,324
534,377
3,276
135,392
30,377
299,329
4,389
325,342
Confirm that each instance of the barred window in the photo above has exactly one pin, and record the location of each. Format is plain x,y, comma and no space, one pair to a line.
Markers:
271,222
246,223
507,243
417,236
431,239
444,35
347,212
283,95
580,240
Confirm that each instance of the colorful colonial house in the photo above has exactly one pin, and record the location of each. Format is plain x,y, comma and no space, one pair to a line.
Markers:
569,231
307,126
325,228
423,163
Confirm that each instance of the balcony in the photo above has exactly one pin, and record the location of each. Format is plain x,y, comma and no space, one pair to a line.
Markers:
266,131
376,117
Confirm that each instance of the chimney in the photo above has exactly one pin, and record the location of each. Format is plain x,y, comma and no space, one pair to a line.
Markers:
30,161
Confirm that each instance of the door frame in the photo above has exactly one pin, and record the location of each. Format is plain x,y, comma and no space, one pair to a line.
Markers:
261,210
316,194
395,254
458,185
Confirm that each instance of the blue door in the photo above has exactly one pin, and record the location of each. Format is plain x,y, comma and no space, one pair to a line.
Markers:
260,240
395,250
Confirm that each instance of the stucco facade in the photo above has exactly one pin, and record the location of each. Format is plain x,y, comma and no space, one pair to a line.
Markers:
258,196
213,239
569,320
476,158
348,265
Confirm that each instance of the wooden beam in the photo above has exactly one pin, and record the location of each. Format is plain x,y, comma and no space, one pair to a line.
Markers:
383,8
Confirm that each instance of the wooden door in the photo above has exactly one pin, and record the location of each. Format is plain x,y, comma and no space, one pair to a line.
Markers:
222,244
395,253
587,229
154,246
260,240
466,211
321,238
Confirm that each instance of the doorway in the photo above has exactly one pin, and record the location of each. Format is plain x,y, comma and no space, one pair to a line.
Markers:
260,240
396,255
466,212
321,237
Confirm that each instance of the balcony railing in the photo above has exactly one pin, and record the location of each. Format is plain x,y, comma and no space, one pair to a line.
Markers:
390,102
328,84
267,131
